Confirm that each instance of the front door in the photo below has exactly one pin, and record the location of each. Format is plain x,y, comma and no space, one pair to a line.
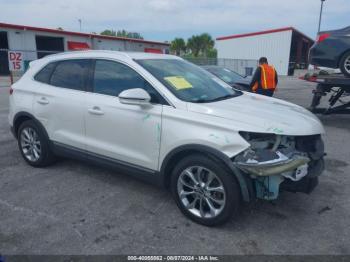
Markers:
126,133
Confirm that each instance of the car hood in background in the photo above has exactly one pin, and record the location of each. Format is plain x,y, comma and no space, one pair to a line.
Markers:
257,113
243,81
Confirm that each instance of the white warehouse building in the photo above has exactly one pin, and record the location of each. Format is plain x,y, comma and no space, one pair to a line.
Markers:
37,42
285,48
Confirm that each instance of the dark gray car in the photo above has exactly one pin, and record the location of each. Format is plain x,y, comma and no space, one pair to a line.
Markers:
230,77
332,49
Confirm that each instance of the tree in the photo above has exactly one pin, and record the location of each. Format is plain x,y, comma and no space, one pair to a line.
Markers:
212,53
207,43
122,33
178,45
194,44
201,45
108,32
134,35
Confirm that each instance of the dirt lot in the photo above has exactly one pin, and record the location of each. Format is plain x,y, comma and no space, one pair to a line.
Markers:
74,208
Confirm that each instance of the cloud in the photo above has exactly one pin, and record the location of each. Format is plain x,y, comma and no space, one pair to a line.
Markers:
160,18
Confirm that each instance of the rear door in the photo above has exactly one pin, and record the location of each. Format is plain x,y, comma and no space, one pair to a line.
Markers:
60,100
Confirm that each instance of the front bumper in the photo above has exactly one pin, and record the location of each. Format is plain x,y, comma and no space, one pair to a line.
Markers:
270,169
294,169
269,187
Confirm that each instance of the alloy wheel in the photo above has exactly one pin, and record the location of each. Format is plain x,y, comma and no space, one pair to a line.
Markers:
347,64
30,144
201,192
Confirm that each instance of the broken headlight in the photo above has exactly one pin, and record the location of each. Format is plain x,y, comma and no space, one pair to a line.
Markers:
271,154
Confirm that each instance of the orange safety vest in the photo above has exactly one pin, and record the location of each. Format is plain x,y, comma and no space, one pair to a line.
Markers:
268,75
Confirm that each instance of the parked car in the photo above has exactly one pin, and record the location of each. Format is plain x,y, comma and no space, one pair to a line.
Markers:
230,77
164,119
332,49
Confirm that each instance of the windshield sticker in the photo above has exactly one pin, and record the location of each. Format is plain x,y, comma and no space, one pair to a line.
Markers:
178,82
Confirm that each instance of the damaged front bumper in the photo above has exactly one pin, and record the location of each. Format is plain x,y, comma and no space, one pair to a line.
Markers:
270,168
277,163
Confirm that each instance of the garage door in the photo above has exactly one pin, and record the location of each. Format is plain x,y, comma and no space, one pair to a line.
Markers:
46,45
4,67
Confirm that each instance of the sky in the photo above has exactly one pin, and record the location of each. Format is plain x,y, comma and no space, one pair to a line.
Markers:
163,20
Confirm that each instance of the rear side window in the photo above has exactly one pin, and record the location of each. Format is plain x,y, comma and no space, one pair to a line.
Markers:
71,74
44,74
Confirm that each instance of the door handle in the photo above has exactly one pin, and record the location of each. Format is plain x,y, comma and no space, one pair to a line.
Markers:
43,101
96,111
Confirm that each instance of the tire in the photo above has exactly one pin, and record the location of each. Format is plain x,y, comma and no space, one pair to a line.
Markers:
34,145
345,64
228,197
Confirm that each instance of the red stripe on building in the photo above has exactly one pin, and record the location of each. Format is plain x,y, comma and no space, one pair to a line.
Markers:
263,33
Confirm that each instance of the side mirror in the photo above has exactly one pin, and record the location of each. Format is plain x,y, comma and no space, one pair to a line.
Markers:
135,96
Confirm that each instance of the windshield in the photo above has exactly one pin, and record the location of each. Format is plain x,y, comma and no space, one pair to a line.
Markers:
226,75
188,82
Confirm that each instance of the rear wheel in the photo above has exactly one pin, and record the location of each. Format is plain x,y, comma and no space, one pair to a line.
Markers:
34,145
345,64
204,190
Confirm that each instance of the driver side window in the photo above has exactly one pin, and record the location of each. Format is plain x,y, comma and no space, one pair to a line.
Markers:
112,78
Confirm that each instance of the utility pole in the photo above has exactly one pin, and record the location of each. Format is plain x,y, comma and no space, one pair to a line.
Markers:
319,21
79,20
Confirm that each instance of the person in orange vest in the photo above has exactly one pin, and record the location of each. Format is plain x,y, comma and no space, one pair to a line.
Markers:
265,79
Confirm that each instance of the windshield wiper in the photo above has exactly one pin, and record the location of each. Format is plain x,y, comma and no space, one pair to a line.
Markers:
223,97
238,93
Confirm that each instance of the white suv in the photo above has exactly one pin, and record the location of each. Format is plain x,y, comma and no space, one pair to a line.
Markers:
167,120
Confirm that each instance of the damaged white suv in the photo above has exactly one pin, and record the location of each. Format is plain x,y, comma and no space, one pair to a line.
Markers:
167,120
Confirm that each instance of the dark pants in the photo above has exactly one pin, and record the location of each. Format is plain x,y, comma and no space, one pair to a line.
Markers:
265,92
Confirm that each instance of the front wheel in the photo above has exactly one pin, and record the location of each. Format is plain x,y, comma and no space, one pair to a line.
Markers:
345,64
204,190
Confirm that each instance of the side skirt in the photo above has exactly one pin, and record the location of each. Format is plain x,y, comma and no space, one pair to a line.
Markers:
144,174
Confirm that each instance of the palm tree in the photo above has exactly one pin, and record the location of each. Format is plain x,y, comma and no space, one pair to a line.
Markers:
195,45
201,45
177,46
207,43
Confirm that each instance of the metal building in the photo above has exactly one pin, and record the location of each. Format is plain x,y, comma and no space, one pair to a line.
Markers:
285,48
37,42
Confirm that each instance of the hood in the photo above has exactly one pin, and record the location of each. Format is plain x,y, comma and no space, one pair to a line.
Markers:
243,81
261,114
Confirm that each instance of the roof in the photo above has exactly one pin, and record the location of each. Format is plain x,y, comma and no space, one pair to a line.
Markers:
108,54
92,54
271,31
63,32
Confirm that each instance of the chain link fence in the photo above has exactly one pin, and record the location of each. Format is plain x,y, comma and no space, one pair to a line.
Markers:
243,67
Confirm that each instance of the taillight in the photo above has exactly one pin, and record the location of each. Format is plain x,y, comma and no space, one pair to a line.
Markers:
11,90
322,37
